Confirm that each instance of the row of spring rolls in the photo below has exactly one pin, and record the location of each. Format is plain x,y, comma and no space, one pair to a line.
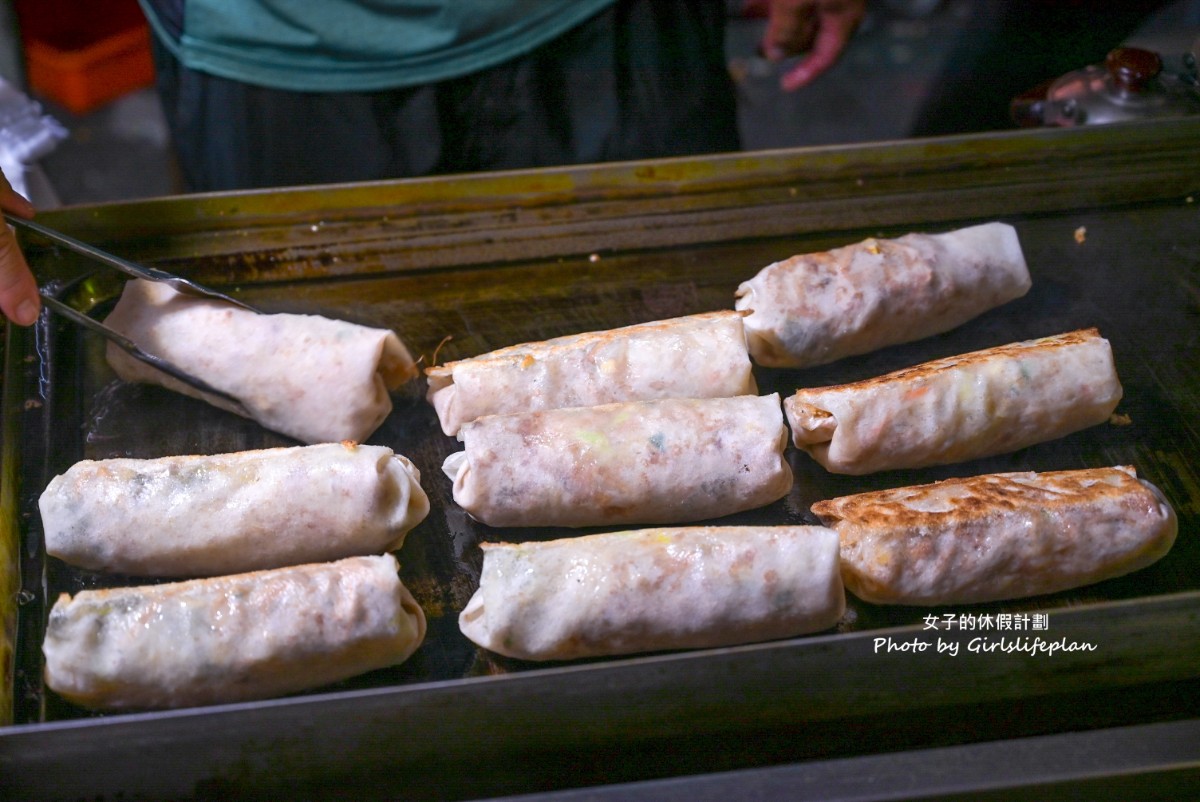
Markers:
320,380
294,586
961,541
676,460
218,514
265,633
646,424
654,423
657,422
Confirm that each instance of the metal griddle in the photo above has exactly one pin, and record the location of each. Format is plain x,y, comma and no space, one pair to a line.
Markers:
496,259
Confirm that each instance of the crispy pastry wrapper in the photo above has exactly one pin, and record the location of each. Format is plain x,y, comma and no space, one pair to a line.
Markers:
648,462
309,377
963,407
655,589
820,307
998,536
229,513
231,638
698,356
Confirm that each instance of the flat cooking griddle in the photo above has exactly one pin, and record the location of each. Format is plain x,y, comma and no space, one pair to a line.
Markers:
1110,225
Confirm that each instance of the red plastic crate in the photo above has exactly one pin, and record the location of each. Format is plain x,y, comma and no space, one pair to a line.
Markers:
82,54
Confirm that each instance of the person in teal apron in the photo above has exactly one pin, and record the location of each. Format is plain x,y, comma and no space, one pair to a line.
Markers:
267,93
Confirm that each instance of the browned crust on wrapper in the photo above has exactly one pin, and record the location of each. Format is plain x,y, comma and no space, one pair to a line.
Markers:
1015,350
968,406
998,536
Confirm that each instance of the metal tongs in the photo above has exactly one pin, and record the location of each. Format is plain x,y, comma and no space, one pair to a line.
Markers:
178,283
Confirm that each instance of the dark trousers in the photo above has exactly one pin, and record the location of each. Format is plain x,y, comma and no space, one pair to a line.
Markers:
644,79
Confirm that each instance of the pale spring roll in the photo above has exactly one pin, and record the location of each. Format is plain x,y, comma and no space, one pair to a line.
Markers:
654,589
309,377
651,462
998,536
231,638
228,513
963,407
820,307
699,356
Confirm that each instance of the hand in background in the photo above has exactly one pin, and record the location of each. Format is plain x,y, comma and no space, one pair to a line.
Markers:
19,300
817,30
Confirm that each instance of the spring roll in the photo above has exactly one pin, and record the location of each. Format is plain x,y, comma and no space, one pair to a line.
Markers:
820,307
231,638
963,407
998,536
699,356
228,513
654,589
305,376
651,462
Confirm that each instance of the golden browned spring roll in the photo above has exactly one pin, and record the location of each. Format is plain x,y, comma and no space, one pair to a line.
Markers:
228,513
963,407
820,307
998,536
309,377
231,638
652,589
698,356
666,461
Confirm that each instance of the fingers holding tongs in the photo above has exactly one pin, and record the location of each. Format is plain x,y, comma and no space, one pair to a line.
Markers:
178,283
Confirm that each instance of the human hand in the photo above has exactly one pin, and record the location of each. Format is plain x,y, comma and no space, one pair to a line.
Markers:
19,299
817,29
